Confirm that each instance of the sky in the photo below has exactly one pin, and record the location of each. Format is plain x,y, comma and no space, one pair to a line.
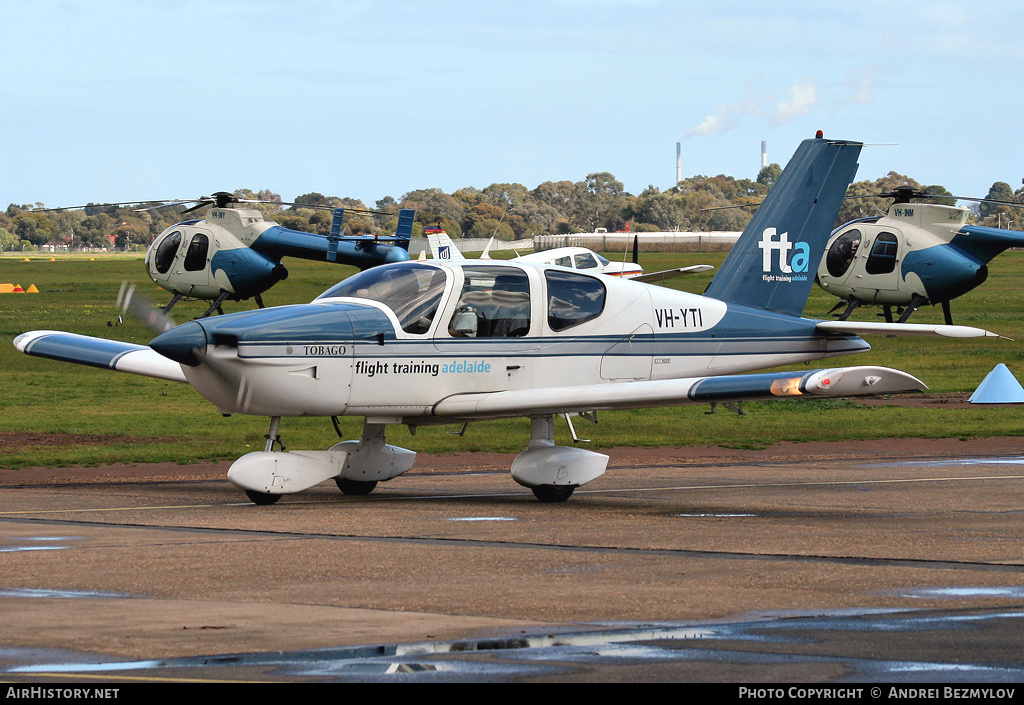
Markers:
109,101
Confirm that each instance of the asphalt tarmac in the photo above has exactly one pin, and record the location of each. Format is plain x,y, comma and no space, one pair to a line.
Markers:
852,563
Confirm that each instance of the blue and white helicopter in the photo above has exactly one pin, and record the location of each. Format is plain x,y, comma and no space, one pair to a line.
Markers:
236,253
451,342
916,254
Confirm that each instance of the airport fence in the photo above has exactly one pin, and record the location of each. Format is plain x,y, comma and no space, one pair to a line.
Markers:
599,241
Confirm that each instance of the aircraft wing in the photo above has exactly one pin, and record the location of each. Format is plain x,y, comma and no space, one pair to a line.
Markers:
837,382
670,273
856,328
99,352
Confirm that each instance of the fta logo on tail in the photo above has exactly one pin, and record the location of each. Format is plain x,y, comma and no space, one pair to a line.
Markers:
798,263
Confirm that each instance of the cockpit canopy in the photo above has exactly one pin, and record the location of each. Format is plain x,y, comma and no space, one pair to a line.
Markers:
495,301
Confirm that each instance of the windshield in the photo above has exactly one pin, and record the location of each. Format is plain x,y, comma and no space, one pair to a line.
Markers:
411,290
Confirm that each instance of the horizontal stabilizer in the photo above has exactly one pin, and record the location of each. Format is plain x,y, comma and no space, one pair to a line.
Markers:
855,328
99,352
670,273
836,382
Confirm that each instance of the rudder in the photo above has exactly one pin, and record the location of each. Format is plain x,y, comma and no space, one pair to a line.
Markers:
773,263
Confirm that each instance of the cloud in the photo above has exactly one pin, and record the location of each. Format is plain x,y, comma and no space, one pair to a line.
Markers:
858,88
726,118
802,99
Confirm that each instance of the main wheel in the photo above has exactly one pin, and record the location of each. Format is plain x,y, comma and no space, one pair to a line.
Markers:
261,498
553,493
355,486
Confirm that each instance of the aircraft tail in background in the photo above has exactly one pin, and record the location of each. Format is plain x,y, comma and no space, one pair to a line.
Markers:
403,231
773,264
441,246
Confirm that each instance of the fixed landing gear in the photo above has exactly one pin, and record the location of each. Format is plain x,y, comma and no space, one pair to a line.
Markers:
355,466
551,472
262,499
850,308
216,305
355,487
553,493
554,472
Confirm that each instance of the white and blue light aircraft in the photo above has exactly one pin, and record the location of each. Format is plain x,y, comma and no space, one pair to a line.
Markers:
442,247
451,342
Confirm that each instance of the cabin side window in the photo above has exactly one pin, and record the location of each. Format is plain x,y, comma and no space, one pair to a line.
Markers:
882,259
195,257
585,260
573,299
495,303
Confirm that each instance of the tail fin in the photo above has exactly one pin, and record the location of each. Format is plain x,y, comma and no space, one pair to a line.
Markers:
773,263
441,246
403,232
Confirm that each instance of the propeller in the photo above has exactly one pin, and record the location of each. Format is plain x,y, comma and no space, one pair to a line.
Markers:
129,300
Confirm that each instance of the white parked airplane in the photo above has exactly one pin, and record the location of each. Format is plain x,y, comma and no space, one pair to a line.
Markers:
442,247
445,342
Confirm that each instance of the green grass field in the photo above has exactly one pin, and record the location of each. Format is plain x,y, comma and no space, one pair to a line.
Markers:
61,414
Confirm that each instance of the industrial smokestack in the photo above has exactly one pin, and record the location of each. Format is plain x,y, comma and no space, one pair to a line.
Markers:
764,154
679,162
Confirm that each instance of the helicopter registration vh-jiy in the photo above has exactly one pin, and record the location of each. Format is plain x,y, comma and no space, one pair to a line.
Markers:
451,342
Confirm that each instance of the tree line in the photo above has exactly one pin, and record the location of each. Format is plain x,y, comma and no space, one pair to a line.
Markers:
506,211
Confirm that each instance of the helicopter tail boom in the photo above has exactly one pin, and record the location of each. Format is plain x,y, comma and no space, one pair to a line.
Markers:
984,243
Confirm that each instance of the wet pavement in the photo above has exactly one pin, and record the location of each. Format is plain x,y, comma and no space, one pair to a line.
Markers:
865,568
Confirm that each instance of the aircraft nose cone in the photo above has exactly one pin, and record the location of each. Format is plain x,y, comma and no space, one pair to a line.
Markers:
182,343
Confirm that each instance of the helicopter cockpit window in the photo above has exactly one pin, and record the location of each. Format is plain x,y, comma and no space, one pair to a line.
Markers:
585,260
495,303
195,257
166,251
573,299
411,290
842,252
882,259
